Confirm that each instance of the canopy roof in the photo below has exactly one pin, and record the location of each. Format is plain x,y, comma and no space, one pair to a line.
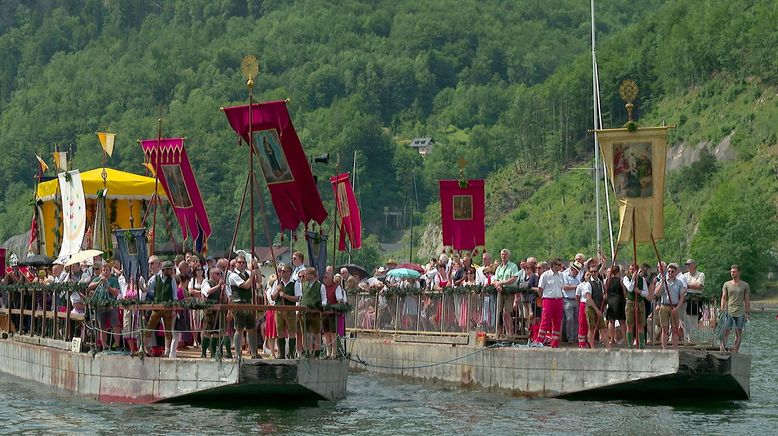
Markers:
121,185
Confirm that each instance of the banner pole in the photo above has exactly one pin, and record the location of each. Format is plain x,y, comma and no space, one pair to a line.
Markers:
635,288
237,221
337,216
154,196
267,231
250,85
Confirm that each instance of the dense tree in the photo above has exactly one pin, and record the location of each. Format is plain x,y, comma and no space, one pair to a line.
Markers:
504,85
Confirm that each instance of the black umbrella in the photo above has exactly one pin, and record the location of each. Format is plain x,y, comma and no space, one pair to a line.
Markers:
37,260
355,270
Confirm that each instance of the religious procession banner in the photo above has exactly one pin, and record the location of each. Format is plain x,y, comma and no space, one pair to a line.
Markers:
348,210
317,251
282,161
107,141
462,213
171,164
73,213
635,162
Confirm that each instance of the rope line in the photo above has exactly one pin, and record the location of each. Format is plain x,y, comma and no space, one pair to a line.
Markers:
361,361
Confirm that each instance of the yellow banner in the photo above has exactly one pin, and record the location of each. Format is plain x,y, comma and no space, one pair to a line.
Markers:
106,140
150,167
43,165
635,162
61,160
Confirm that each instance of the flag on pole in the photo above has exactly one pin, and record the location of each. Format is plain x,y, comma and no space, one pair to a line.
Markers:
73,213
41,164
635,162
150,167
61,160
282,161
33,232
462,213
348,210
106,140
169,160
317,251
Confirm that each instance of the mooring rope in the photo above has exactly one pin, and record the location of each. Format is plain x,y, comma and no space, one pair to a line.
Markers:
361,361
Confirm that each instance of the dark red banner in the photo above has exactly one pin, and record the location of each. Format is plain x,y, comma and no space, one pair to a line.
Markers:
171,165
462,214
348,210
282,161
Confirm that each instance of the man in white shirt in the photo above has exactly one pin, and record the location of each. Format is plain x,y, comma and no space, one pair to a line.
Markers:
298,266
695,285
480,277
550,288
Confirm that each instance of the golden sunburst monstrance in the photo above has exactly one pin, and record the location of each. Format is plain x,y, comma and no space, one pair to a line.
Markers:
629,92
250,67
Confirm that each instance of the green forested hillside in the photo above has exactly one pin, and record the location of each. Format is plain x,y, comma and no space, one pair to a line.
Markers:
504,85
709,71
362,76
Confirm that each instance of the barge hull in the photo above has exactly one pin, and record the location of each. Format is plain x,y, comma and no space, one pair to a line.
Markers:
654,375
126,379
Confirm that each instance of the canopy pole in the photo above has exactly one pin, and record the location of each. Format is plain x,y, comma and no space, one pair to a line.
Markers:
154,196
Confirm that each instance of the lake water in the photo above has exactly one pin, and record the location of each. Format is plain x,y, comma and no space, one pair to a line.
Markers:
382,405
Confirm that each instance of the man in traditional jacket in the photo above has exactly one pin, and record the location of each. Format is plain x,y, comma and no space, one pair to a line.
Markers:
241,283
287,293
314,293
162,289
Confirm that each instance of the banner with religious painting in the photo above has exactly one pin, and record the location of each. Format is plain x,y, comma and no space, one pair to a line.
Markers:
282,161
635,163
317,251
171,164
462,214
73,213
348,211
132,253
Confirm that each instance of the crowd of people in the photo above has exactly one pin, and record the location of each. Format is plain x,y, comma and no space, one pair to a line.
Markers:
296,326
583,301
590,302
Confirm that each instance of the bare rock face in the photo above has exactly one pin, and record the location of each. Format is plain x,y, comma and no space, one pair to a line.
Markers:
683,154
431,241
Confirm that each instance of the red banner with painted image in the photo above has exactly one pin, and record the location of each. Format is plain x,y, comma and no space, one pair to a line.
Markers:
171,164
462,214
348,210
282,161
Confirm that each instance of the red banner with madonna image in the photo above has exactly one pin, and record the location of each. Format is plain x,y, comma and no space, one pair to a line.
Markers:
282,161
462,214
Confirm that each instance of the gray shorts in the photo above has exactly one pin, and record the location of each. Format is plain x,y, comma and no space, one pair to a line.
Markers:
107,318
737,322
